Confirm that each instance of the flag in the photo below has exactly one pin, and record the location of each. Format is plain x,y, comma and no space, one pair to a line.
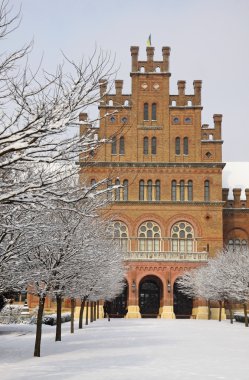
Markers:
148,43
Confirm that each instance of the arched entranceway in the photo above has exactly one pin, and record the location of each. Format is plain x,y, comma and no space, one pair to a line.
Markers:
150,293
117,308
182,304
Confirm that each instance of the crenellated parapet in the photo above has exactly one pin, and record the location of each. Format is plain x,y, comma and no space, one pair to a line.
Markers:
149,66
214,133
237,201
184,100
113,100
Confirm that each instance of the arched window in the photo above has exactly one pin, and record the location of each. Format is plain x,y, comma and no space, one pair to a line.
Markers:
149,235
114,145
153,145
117,190
153,113
158,191
173,190
177,146
121,145
125,190
149,190
182,190
237,244
185,146
141,190
182,237
146,145
146,111
206,191
120,231
190,190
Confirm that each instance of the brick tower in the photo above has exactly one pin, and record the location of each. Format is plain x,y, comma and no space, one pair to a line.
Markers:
168,213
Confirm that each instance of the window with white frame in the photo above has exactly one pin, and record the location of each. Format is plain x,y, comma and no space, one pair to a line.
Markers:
120,231
182,237
149,234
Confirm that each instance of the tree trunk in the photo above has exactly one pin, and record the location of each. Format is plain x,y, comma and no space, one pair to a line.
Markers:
58,319
91,312
97,309
37,349
72,314
245,313
209,310
82,306
230,311
87,311
220,309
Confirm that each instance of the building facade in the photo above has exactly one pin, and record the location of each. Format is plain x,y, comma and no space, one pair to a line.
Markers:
171,213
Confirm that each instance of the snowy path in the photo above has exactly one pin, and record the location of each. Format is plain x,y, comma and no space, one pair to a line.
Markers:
129,350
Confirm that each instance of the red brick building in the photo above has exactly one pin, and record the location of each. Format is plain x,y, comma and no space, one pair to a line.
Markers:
171,213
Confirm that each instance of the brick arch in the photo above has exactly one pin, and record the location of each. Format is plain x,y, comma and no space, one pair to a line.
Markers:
240,233
184,217
146,217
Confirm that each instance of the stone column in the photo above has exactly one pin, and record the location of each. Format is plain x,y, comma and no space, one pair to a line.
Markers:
167,310
133,307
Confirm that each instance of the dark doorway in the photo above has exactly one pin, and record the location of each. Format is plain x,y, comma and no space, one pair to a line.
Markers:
117,308
182,304
149,297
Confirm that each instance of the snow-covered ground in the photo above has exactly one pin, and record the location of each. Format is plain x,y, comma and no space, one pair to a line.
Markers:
122,349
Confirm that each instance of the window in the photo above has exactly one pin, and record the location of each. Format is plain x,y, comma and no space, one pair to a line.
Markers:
185,145
146,145
141,190
149,190
206,191
120,231
187,120
158,191
153,111
121,145
153,145
176,120
182,237
125,190
149,235
190,190
114,145
177,147
182,191
173,190
146,111
112,119
234,244
117,190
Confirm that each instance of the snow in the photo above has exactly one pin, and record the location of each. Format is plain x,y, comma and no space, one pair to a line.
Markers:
124,349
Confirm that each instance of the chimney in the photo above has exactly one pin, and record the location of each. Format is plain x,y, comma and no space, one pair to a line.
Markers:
225,192
102,87
118,87
236,195
197,92
217,125
134,58
166,54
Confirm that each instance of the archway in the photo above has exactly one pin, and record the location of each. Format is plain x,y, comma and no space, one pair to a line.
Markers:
117,308
182,304
150,293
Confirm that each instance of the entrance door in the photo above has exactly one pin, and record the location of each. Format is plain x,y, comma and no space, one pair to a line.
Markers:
182,304
149,298
117,308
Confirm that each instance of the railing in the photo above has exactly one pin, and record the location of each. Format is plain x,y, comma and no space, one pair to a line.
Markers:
166,256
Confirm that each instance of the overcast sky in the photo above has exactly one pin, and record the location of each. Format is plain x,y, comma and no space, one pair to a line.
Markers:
208,40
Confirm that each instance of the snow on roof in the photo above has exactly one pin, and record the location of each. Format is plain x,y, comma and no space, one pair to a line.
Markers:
236,174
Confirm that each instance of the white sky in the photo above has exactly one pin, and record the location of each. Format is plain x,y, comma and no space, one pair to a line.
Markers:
208,40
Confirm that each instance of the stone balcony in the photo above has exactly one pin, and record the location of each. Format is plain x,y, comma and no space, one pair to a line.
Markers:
166,256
